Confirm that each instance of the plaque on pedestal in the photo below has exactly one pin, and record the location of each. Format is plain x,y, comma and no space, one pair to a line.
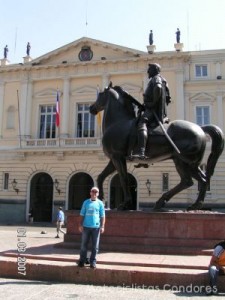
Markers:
4,62
179,47
27,59
151,49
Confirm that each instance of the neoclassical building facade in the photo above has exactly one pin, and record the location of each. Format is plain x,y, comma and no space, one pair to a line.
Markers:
43,165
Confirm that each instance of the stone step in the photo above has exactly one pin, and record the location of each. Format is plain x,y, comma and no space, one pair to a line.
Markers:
142,248
184,242
112,275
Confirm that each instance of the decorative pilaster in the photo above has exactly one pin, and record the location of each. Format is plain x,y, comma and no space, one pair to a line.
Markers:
219,100
29,109
65,109
105,80
25,99
218,70
180,95
2,89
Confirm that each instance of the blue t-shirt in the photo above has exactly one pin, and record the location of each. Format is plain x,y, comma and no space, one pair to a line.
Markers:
92,211
60,216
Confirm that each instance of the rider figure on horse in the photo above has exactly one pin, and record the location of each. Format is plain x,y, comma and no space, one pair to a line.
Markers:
156,99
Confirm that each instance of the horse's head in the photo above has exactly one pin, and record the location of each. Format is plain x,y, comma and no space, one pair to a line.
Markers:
101,100
118,98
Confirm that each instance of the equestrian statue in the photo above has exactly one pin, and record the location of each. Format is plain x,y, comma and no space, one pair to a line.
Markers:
150,137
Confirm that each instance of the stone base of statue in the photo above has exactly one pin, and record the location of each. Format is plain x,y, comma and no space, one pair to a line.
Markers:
179,47
27,59
4,62
154,232
151,49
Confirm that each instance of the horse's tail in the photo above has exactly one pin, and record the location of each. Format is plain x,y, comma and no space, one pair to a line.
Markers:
217,146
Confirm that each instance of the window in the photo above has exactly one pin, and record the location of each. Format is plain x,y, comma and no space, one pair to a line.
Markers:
85,121
201,71
5,181
202,115
165,182
47,122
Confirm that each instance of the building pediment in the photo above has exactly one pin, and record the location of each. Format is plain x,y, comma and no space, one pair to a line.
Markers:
131,87
86,50
202,97
84,90
46,93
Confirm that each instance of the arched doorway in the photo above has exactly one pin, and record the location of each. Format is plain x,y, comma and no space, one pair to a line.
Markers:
79,189
116,192
41,197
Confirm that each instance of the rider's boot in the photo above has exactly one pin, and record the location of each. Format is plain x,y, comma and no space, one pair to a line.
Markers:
142,140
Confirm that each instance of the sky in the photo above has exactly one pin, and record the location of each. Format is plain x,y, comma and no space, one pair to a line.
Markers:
50,24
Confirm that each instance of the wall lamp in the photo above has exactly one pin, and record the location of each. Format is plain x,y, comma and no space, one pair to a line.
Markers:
14,185
57,186
148,185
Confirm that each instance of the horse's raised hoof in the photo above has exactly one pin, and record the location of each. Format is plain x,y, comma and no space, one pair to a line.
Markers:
195,206
159,205
159,209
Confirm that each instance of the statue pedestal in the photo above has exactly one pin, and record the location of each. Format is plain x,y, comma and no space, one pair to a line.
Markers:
151,49
152,232
27,59
179,47
4,62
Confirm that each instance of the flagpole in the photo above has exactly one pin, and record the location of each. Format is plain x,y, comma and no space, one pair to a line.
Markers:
59,134
18,102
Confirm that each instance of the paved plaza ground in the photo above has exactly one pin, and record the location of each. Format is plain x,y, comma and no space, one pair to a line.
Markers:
40,243
13,289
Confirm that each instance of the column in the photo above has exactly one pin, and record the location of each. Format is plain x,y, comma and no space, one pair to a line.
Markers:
145,82
219,100
2,89
23,108
105,80
28,115
187,107
64,130
218,70
180,108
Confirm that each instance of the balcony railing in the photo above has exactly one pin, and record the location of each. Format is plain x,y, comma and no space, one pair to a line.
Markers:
62,142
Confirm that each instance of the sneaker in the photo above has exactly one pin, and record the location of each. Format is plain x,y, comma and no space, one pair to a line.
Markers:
57,237
211,291
93,265
80,264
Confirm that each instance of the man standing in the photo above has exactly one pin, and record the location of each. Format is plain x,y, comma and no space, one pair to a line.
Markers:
92,223
60,222
156,98
216,267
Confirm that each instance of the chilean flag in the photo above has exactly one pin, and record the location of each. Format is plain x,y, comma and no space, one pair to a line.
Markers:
57,117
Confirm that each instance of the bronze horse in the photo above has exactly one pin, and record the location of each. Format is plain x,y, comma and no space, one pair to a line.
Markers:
120,139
